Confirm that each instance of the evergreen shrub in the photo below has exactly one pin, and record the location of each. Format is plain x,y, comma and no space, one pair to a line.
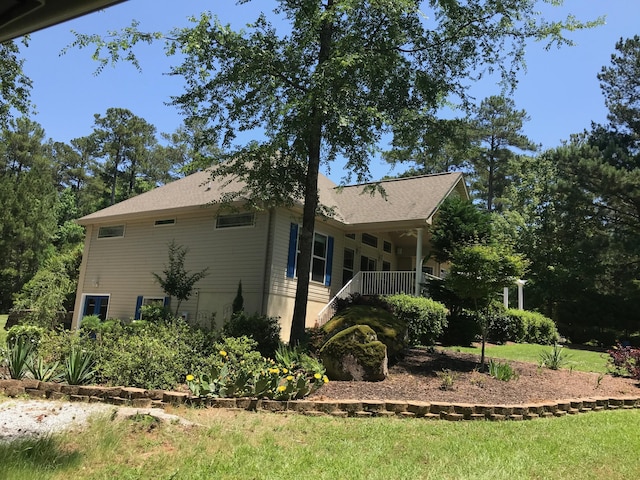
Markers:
263,329
426,319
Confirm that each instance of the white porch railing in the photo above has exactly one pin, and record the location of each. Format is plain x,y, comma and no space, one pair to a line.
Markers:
371,283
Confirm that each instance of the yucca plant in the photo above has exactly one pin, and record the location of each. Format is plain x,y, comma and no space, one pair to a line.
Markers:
79,367
18,358
502,371
45,372
555,358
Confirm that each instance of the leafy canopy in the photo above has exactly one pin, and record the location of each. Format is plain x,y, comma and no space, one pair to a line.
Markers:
338,76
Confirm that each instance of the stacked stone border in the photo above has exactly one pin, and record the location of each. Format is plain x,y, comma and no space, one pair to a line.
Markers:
141,398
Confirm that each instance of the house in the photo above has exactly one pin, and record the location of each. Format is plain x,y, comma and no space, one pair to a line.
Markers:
370,244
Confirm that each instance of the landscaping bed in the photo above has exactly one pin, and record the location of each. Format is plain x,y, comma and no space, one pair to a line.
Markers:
416,377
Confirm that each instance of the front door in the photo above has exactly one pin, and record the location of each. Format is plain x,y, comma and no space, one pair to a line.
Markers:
96,305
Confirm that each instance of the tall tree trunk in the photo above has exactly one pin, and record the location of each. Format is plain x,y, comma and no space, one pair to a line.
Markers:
311,200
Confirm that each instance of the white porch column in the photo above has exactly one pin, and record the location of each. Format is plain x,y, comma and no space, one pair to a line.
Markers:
505,297
520,284
418,262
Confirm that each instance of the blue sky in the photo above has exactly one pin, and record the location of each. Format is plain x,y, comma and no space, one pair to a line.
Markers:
559,91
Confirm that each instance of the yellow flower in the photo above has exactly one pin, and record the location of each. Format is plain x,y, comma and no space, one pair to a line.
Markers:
190,378
284,370
290,378
274,370
282,388
317,376
223,353
325,379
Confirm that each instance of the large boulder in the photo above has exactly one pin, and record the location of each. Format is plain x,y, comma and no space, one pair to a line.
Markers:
355,353
389,329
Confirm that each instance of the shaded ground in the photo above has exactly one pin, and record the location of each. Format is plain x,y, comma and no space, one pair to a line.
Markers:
415,378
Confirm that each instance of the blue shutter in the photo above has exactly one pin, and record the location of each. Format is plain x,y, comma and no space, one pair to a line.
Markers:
327,276
167,301
138,305
293,250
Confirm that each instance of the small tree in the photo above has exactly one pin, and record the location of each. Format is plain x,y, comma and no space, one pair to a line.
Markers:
177,282
479,273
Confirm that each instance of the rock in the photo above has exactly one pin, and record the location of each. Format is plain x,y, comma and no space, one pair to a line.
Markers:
389,329
355,354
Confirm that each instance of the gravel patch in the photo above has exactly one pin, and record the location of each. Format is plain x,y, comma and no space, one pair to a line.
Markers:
36,418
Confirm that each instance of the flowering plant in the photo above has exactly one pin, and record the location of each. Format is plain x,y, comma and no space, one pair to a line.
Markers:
290,376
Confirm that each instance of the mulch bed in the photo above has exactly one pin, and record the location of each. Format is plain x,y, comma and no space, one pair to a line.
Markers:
415,378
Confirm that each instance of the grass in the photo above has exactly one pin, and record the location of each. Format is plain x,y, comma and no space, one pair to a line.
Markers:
243,445
577,358
3,332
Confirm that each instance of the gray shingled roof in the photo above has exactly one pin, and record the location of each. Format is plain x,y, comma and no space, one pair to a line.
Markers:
414,198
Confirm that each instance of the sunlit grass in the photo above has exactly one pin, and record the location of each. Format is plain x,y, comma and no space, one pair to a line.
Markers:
577,359
243,445
3,332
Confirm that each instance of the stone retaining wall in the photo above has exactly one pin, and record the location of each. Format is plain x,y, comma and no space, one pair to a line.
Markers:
141,398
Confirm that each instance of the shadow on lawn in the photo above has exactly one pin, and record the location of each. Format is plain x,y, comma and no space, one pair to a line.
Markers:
35,456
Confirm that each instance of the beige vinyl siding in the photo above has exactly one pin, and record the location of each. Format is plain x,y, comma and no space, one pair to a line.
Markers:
286,287
123,266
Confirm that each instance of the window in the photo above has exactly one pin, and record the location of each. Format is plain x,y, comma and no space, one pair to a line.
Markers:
352,236
386,246
144,301
427,270
370,240
321,256
236,220
367,264
168,221
113,231
386,266
348,264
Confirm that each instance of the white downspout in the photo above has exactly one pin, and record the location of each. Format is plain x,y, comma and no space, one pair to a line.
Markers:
418,262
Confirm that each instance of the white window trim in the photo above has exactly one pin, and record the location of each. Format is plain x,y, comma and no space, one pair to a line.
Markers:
324,275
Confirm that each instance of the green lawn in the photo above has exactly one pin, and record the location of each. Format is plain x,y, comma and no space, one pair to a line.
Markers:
578,359
243,445
3,332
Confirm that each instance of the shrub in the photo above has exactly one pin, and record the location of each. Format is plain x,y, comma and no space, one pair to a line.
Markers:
31,334
314,339
156,313
150,355
462,328
625,360
365,300
263,329
504,327
447,379
56,345
522,326
538,328
426,319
